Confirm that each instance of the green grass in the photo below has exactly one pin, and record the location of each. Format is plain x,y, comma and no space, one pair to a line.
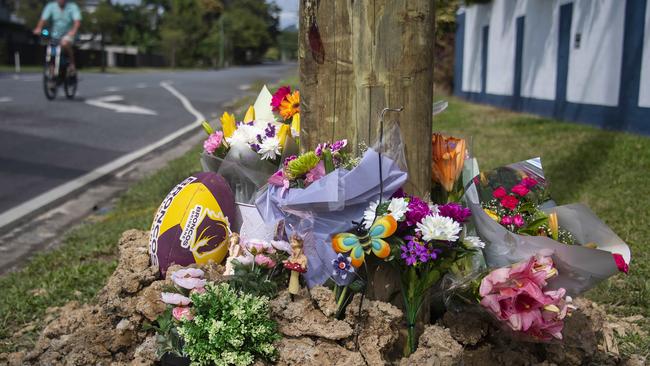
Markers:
605,170
608,171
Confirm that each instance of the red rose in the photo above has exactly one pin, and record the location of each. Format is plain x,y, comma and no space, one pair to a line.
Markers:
499,193
509,202
529,182
520,189
620,263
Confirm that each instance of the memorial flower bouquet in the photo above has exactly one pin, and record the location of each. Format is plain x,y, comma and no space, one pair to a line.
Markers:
518,209
422,240
520,298
329,188
248,151
514,215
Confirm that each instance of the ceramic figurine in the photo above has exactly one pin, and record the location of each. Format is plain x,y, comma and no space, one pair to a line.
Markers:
296,263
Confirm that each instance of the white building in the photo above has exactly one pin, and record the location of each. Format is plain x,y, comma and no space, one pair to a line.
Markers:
581,60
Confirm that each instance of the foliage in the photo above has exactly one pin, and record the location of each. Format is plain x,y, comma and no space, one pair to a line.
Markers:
167,337
256,280
103,21
251,27
229,327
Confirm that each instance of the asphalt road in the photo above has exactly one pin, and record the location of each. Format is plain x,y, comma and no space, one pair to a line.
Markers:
44,144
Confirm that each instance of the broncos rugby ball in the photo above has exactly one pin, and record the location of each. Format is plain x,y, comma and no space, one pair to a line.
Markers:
192,224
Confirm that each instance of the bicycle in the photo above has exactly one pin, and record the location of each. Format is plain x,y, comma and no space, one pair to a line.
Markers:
56,70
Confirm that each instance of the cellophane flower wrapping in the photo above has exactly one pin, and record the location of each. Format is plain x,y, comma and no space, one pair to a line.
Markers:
580,268
243,170
334,201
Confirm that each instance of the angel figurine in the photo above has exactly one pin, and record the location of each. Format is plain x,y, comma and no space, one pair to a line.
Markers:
296,263
235,250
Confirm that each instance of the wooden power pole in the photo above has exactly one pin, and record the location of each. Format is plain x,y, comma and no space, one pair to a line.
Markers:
360,56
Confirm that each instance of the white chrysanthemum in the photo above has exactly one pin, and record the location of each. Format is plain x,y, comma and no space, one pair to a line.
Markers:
244,135
369,214
270,148
474,242
398,207
434,227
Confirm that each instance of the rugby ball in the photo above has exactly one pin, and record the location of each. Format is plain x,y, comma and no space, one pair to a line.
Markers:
192,224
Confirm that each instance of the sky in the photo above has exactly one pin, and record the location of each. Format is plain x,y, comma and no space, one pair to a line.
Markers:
288,10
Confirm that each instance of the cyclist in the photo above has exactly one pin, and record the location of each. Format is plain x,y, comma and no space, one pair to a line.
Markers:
64,18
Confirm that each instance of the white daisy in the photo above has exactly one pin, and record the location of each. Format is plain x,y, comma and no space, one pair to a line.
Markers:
398,207
369,214
434,227
474,242
270,148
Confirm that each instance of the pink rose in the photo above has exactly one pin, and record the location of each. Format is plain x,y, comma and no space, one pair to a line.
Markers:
518,220
529,182
181,313
173,298
264,261
520,189
509,202
499,193
506,220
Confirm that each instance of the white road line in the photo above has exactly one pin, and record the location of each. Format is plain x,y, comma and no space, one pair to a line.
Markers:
65,189
108,102
186,103
6,99
112,89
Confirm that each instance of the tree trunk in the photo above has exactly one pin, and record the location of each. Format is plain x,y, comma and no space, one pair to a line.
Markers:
358,57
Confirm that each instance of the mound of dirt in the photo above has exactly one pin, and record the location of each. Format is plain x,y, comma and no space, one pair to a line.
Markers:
112,331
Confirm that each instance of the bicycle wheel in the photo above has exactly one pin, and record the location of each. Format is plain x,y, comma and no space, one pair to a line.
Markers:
49,84
70,86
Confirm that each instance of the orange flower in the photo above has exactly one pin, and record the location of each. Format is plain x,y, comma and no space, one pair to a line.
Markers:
290,105
448,157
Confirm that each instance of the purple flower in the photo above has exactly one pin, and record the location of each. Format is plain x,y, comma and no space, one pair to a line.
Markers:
289,158
255,147
338,145
319,149
417,210
269,131
342,266
455,212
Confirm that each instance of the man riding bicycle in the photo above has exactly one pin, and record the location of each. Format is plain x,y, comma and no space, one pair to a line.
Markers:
64,18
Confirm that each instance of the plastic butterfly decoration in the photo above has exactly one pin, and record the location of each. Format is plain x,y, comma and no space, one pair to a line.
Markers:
367,241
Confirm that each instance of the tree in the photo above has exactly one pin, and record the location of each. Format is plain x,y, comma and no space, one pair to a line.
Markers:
288,43
103,22
251,27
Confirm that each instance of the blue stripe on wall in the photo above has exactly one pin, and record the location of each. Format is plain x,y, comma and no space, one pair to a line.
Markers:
563,48
626,116
459,53
519,52
628,99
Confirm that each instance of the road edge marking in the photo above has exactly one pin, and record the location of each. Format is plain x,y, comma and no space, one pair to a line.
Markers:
44,199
